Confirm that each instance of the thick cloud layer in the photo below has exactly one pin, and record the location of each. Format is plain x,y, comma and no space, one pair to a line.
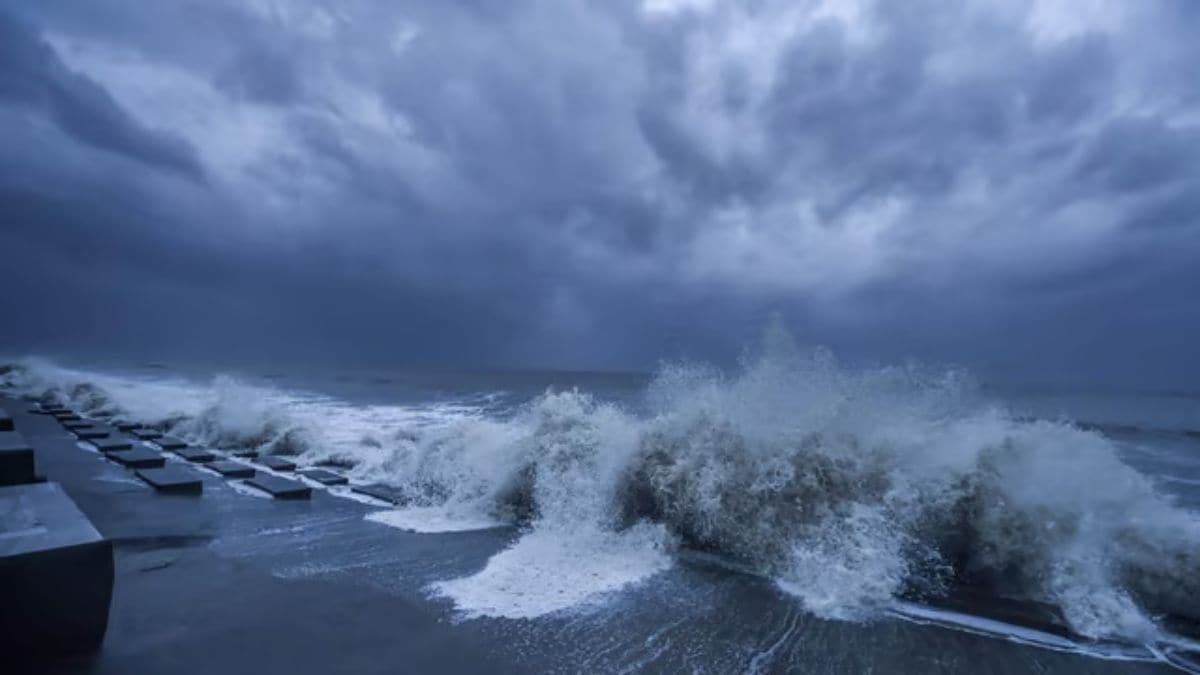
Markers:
1010,185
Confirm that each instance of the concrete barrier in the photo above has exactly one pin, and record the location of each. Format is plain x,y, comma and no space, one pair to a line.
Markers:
232,469
277,463
170,443
112,443
56,576
379,491
280,488
137,458
325,477
172,480
16,460
195,454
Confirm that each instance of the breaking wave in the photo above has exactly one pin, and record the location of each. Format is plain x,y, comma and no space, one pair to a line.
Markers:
852,489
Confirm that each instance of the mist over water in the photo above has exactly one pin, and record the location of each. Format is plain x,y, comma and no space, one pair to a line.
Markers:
853,489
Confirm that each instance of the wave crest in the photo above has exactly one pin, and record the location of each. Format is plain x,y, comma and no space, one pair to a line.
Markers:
851,488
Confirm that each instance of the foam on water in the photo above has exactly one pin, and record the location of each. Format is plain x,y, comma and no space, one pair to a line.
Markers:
434,519
851,488
547,572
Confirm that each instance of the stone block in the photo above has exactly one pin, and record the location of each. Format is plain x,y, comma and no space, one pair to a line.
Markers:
112,443
277,463
170,443
380,491
325,477
232,469
56,576
146,434
91,433
280,488
16,459
172,480
137,458
195,454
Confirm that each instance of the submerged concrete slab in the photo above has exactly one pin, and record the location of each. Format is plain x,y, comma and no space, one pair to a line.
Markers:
243,452
277,463
137,458
16,459
195,454
232,469
170,443
56,575
325,477
380,491
113,443
6,421
147,434
172,480
280,488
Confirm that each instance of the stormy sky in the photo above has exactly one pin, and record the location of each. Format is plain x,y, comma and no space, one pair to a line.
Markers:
1005,184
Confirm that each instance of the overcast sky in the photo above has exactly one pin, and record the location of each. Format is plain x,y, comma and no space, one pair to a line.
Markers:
1010,185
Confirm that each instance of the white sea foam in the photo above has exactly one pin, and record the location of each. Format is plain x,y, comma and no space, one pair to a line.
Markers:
547,571
433,519
850,488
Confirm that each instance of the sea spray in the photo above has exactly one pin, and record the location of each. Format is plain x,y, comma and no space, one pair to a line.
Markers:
851,488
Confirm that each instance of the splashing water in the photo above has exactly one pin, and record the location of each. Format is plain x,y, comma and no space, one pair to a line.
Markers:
850,488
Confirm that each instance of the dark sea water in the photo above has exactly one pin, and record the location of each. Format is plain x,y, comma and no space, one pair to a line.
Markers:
790,515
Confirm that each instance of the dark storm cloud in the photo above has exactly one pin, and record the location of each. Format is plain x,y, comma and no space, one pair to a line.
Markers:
33,76
602,184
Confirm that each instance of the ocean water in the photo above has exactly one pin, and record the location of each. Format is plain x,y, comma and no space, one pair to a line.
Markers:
1063,519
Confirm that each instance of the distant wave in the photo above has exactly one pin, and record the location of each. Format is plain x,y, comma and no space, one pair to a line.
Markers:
1115,429
852,489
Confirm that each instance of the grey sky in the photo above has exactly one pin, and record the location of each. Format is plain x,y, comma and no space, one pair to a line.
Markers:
1010,185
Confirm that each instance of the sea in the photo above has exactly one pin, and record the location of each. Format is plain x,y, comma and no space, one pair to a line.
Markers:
789,514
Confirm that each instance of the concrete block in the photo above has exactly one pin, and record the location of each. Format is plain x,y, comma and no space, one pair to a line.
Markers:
6,421
16,459
90,433
126,426
195,454
170,443
78,424
380,491
147,434
232,469
277,463
280,488
138,458
325,477
243,452
112,443
65,416
56,576
172,480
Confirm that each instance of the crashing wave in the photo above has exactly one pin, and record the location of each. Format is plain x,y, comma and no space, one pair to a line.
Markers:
852,489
